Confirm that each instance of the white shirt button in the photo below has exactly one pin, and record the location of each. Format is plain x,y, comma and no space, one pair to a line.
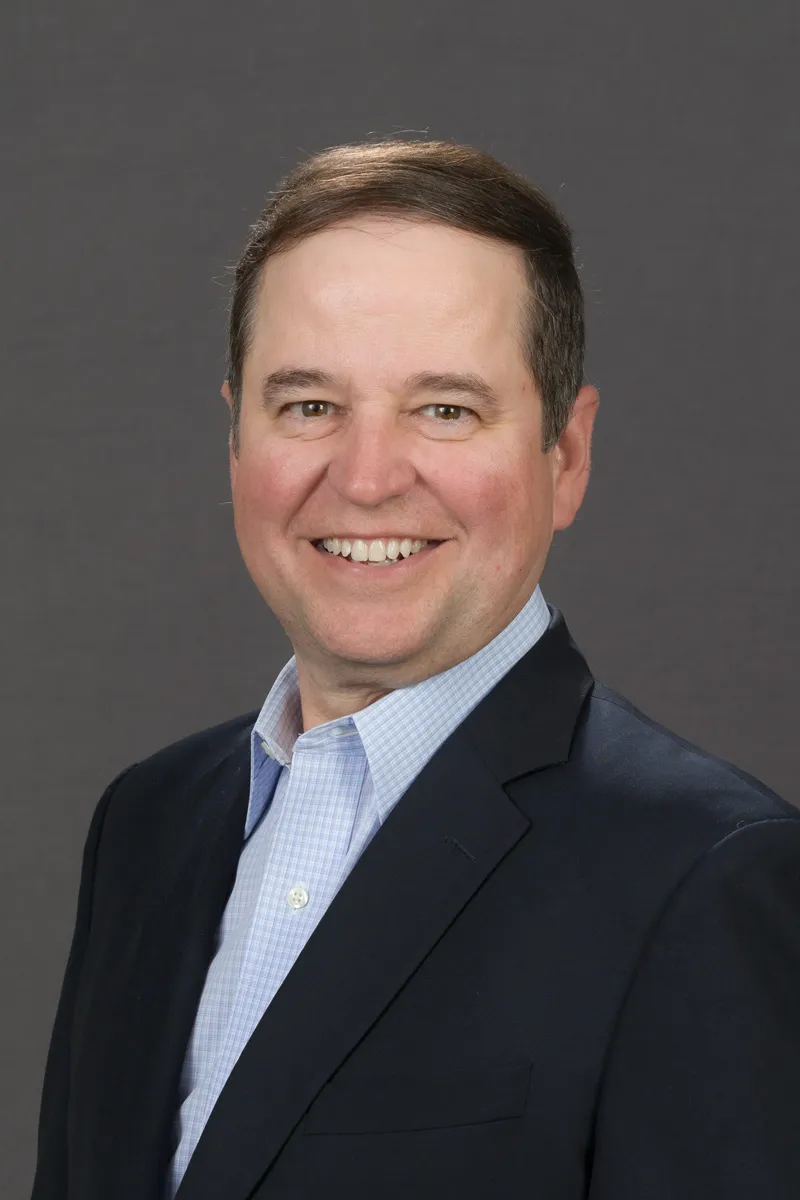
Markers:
297,897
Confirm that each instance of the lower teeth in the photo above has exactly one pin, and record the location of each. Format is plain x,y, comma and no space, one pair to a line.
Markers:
387,562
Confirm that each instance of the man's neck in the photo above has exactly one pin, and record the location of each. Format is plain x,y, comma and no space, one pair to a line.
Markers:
320,707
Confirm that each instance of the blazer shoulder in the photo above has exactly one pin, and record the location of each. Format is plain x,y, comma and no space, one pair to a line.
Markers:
636,807
660,768
167,777
197,753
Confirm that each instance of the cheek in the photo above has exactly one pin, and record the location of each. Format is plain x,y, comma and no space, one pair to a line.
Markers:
499,500
267,487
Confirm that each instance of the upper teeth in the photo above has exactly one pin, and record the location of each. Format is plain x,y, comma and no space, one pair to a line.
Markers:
376,551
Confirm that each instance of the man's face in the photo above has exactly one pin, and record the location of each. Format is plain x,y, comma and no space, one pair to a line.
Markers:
375,442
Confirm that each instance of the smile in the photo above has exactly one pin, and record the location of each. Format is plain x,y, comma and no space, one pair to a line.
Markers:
378,552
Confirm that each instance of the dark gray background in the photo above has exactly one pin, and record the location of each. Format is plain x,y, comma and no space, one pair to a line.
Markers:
139,143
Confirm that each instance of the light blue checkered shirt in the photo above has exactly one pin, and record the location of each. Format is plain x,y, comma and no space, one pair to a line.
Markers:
316,800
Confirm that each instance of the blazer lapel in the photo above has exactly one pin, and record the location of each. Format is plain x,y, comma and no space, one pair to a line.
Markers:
452,828
142,1018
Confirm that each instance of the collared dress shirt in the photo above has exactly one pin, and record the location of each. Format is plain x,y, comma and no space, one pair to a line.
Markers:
316,800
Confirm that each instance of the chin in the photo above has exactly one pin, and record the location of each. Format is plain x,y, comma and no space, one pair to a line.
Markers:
359,646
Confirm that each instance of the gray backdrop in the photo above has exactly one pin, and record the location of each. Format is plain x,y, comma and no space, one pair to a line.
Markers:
138,144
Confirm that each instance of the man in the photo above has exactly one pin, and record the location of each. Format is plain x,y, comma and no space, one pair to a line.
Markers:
447,917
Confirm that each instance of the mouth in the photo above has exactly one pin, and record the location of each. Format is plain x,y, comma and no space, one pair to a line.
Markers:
393,556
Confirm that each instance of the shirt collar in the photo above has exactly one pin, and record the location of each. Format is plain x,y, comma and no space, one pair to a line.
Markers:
280,722
400,732
275,734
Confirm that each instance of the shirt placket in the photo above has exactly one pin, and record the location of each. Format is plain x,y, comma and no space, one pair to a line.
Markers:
314,831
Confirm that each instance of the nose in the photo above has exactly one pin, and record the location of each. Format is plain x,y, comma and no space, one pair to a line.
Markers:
370,463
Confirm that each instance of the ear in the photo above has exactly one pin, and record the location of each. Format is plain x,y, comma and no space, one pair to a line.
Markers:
225,392
572,458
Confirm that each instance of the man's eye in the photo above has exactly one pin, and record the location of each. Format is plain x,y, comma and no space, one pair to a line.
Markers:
447,412
309,408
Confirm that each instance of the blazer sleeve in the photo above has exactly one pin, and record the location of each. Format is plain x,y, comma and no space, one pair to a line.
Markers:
52,1173
700,1095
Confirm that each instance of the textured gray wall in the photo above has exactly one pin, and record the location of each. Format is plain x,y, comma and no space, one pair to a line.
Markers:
138,144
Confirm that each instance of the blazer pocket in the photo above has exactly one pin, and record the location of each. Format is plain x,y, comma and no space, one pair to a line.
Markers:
401,1102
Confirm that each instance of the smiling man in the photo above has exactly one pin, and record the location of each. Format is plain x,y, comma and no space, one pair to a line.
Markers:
447,916
392,499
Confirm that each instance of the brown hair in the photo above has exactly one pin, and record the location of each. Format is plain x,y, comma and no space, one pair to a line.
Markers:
441,181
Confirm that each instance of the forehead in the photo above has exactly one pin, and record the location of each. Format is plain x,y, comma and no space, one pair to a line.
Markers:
395,279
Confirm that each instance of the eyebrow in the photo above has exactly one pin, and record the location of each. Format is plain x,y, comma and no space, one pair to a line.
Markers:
297,379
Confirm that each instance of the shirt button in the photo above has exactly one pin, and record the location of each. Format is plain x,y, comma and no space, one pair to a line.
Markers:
297,897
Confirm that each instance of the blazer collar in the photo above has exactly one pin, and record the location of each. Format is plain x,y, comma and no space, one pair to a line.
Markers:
452,828
528,721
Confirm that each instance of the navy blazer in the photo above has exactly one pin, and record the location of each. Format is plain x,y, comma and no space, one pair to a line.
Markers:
567,967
